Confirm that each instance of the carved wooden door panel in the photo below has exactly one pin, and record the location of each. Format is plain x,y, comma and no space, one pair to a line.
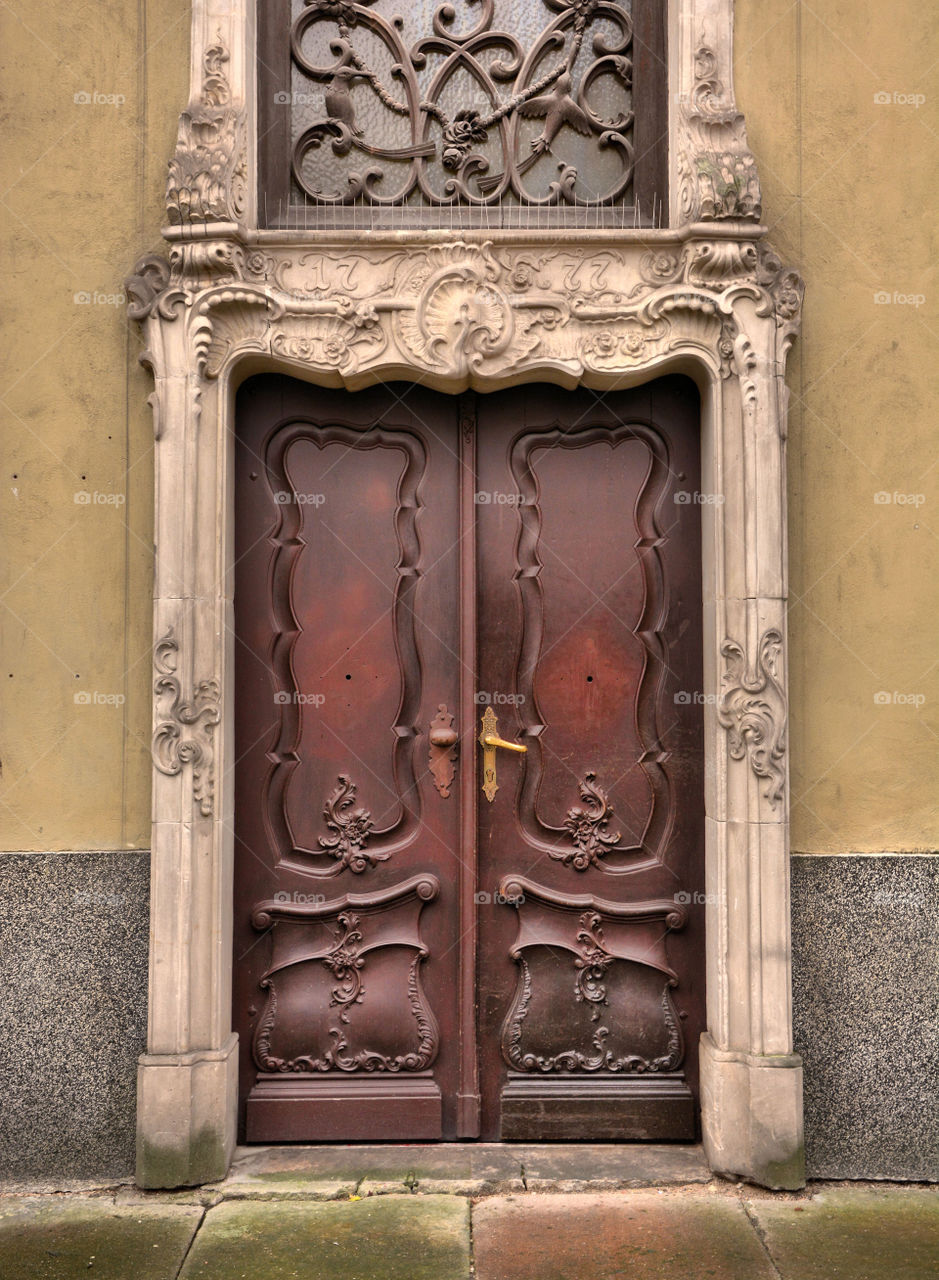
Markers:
434,939
347,864
591,975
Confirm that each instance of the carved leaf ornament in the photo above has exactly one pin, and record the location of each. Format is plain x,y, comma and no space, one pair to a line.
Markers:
588,827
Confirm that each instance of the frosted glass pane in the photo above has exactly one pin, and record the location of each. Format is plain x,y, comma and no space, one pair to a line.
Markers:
478,102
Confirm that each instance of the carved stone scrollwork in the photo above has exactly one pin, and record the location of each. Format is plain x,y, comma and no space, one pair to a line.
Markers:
148,289
752,709
184,729
228,318
464,310
786,288
718,177
204,263
208,174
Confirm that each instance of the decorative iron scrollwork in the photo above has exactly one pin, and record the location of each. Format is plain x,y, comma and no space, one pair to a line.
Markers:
184,728
576,77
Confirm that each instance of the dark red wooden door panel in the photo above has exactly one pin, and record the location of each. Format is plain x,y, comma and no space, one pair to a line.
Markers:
367,578
591,977
347,870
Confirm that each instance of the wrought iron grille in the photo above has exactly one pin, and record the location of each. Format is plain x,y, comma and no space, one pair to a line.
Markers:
480,112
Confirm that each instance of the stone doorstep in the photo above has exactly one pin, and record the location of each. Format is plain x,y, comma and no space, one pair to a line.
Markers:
468,1169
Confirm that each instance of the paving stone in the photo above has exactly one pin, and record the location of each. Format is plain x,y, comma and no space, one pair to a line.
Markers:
853,1233
383,1238
640,1235
62,1239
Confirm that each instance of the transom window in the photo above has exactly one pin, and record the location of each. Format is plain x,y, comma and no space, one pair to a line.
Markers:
503,113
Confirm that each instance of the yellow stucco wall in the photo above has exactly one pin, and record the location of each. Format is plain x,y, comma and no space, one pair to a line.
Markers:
81,183
848,183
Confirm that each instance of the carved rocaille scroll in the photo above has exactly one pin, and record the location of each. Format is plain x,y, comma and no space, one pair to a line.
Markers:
347,982
468,310
752,709
184,727
640,1031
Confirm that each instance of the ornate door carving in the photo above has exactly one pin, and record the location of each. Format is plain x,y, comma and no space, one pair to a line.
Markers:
405,562
591,993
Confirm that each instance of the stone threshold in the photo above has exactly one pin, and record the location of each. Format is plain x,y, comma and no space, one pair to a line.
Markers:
334,1172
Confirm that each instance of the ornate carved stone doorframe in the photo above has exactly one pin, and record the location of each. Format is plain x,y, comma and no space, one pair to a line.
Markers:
606,308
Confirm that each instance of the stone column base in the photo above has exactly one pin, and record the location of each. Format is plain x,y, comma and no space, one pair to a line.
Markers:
751,1115
187,1105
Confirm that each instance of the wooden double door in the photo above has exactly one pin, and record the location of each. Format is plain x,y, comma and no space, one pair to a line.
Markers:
469,794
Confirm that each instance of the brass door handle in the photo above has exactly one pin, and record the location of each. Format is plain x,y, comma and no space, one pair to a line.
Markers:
490,741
